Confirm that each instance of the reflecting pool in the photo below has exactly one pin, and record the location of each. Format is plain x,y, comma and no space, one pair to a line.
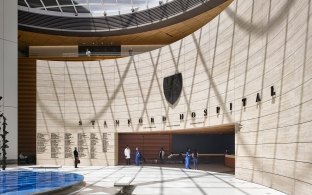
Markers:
28,182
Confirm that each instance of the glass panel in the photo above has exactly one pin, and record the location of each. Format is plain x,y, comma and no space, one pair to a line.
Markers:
82,9
49,2
111,7
80,2
35,3
22,3
56,9
65,2
68,9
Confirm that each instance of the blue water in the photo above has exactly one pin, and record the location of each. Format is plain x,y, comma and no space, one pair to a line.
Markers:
28,182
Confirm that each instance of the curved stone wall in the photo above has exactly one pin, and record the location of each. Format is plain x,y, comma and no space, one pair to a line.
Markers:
248,49
8,77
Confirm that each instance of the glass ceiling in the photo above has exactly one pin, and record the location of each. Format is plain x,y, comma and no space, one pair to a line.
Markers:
91,8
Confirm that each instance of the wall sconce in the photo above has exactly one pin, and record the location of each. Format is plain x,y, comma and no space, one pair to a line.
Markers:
105,124
164,119
140,121
231,106
117,123
218,109
205,112
92,122
272,91
193,115
258,99
80,123
129,122
244,100
152,120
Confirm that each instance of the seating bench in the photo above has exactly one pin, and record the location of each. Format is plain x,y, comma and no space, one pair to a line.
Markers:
124,182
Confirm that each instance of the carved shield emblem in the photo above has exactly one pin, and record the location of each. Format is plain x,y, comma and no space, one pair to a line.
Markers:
173,87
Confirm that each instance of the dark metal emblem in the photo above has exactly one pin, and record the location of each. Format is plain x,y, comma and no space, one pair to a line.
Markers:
173,87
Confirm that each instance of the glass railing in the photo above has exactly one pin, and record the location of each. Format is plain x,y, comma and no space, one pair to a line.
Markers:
84,54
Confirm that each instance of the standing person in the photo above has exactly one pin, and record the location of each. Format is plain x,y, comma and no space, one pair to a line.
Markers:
76,157
161,155
127,153
88,52
137,156
188,159
195,159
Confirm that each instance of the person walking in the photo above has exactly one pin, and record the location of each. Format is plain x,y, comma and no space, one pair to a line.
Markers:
195,159
188,159
137,156
76,155
161,155
127,153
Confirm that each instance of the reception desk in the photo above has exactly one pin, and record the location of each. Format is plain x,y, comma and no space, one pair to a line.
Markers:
229,160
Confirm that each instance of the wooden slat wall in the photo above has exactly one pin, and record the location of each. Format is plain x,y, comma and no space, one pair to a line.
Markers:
149,145
153,143
229,162
27,106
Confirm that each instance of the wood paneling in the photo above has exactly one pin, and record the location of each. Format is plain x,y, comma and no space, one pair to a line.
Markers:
27,106
229,161
148,144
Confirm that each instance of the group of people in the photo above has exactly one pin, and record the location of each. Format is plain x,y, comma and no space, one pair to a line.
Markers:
138,156
189,157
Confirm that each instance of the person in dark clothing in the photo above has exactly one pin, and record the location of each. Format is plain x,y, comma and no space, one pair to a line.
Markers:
195,159
162,155
76,157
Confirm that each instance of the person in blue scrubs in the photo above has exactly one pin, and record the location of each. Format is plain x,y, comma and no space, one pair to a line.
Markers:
137,156
188,159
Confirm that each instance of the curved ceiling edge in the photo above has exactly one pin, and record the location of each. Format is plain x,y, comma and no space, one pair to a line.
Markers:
109,26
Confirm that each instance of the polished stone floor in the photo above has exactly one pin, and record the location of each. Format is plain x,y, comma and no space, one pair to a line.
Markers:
163,180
